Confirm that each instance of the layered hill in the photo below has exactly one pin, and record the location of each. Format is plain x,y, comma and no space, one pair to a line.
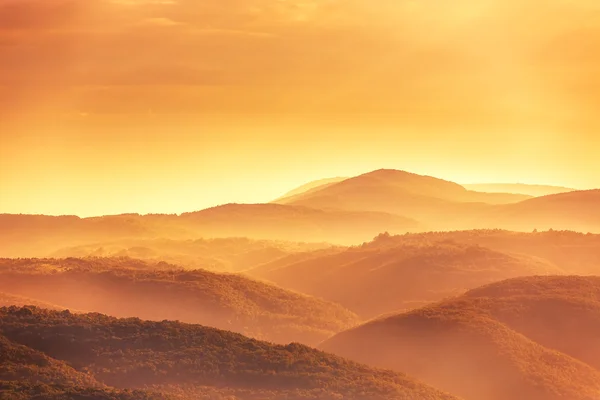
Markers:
192,361
128,288
39,236
378,277
435,202
458,346
561,313
518,188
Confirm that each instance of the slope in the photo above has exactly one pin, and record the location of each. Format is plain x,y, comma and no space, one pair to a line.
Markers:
562,313
175,357
128,288
467,353
376,278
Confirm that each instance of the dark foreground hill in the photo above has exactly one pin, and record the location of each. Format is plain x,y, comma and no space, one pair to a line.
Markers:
128,288
525,338
194,362
378,278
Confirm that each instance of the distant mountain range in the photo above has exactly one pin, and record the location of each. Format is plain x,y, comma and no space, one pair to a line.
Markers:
339,211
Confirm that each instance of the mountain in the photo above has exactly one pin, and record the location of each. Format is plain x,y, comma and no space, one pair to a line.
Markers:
318,184
128,288
518,188
192,362
376,278
435,202
458,347
579,211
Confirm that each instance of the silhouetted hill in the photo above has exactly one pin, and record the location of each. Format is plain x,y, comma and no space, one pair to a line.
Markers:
518,188
132,288
189,359
460,349
435,202
226,254
573,252
376,278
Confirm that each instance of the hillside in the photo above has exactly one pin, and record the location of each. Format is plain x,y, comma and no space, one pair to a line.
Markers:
469,354
376,278
128,288
518,188
573,252
187,359
562,313
26,365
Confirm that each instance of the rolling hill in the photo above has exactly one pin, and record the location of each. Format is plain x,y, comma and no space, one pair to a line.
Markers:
461,349
128,288
561,313
194,362
378,278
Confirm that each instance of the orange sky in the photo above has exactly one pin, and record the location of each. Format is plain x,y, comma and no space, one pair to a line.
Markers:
111,106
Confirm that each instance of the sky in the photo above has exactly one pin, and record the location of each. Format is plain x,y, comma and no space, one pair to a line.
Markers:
114,106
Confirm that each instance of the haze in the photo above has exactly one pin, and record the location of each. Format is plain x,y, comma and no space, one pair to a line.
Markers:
299,200
171,106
